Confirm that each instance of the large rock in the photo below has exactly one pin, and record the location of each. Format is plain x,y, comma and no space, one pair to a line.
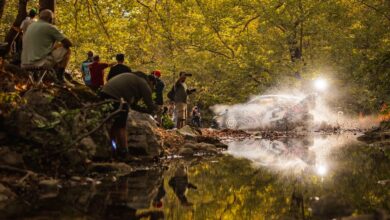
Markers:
142,138
8,157
5,194
189,131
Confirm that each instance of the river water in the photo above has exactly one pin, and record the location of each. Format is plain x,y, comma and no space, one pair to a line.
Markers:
312,177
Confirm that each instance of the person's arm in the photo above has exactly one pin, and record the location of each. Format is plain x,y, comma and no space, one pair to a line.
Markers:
190,91
82,71
58,36
22,26
104,65
146,94
66,43
109,76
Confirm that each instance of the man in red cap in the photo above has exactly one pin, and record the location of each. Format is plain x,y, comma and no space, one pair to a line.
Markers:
159,94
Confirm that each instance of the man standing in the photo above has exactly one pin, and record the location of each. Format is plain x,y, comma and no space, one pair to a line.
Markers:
119,67
85,68
96,70
28,20
39,47
181,94
131,88
159,94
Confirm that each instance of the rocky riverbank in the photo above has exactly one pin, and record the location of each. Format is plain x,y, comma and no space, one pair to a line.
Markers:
52,134
378,137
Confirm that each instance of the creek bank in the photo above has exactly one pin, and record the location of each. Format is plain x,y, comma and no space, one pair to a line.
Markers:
51,134
378,137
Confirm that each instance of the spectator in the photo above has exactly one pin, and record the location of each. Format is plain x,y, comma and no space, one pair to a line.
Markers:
28,20
96,70
119,67
39,47
85,68
180,183
196,117
159,94
132,88
180,98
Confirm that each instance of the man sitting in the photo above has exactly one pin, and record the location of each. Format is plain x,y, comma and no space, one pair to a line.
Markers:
132,88
40,48
118,68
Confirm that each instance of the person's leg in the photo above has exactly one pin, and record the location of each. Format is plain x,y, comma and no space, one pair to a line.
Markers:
159,114
184,115
177,115
61,58
122,139
121,132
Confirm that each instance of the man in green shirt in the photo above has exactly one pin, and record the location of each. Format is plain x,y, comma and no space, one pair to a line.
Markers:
40,48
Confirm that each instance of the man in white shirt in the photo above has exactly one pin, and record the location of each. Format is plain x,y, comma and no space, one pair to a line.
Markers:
28,20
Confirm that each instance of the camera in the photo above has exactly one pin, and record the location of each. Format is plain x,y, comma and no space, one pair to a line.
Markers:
185,74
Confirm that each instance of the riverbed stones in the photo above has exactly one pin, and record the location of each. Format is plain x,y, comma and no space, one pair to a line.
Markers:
186,152
49,188
189,132
113,167
11,158
5,195
190,148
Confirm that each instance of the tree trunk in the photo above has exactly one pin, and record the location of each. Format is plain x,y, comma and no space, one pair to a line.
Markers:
22,14
47,4
2,5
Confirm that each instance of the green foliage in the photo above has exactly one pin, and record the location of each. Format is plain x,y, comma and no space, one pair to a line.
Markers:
9,102
238,48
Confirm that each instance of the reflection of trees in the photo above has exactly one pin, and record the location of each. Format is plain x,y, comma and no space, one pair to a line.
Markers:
232,189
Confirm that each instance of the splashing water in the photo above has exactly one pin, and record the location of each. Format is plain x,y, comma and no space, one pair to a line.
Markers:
282,112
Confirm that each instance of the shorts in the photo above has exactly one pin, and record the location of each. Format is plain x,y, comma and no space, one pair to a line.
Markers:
51,60
120,119
181,111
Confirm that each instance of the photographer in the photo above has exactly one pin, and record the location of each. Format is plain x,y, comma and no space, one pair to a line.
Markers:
181,93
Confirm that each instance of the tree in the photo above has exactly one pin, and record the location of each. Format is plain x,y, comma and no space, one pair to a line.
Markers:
13,31
2,5
47,4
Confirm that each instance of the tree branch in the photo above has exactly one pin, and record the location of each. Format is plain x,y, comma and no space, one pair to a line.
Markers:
374,8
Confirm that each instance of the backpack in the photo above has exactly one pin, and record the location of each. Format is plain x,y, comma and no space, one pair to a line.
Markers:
171,94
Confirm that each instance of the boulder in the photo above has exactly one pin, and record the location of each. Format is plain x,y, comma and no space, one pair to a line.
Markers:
188,131
185,151
89,146
142,138
8,157
49,188
6,194
198,147
205,147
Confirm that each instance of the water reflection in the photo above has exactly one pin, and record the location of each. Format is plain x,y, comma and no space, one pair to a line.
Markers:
298,178
296,154
179,183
